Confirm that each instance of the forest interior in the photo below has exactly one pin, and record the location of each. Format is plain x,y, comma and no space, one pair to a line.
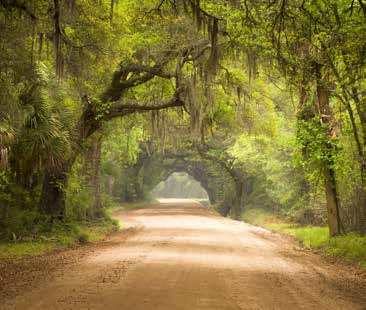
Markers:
255,110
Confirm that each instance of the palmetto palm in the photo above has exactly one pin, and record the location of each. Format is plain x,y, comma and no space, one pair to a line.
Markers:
42,140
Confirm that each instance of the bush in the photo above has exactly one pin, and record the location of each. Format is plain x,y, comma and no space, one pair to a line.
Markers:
20,224
79,199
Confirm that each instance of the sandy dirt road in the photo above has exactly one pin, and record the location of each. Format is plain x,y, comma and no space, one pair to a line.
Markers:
179,256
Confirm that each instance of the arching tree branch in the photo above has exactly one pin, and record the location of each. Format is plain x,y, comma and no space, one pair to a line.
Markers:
123,109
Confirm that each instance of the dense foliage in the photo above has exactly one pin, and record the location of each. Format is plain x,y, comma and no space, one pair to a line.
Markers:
262,102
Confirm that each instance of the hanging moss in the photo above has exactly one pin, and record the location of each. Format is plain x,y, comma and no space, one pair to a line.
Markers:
214,55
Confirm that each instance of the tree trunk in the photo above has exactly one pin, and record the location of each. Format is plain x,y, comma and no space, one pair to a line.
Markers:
350,92
361,110
326,118
361,221
239,198
134,190
94,181
225,208
53,196
210,192
58,39
334,221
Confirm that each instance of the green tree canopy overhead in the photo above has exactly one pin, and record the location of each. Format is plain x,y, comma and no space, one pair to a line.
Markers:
267,97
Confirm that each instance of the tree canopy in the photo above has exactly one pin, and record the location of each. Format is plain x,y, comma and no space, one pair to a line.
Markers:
262,102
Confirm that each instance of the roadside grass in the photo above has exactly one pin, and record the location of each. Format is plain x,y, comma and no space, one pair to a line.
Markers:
350,247
61,236
14,250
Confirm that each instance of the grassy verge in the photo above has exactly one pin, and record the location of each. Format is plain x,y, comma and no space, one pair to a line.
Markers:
64,235
60,236
350,247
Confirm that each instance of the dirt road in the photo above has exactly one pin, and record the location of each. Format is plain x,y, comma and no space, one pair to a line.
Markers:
177,256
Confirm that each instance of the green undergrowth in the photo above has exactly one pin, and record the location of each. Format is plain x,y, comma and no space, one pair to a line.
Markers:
59,236
350,247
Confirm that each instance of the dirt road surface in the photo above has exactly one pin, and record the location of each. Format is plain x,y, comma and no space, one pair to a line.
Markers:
178,256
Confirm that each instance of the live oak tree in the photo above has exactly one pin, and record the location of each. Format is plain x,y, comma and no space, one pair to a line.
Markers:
268,101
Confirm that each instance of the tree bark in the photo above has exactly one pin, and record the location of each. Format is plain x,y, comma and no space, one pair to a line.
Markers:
53,197
334,221
96,178
58,39
349,93
92,161
326,118
239,198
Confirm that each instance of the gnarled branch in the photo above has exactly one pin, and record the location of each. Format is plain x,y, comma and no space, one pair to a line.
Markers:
122,109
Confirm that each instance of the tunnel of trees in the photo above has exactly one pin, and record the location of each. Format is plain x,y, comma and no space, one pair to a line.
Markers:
262,102
180,185
223,187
